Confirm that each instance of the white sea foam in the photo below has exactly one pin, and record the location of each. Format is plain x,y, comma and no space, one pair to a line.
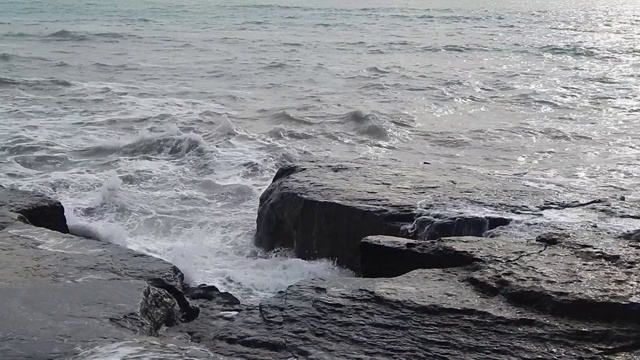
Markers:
196,210
146,350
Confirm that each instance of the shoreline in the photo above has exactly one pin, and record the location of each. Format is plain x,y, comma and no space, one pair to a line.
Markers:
477,268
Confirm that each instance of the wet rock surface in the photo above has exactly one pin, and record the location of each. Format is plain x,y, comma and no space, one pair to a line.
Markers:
60,293
158,309
425,314
457,264
506,299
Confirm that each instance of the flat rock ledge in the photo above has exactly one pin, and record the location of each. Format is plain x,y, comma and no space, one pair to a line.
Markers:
63,295
454,264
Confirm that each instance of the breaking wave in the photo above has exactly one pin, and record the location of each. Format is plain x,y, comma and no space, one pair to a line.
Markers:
34,82
173,145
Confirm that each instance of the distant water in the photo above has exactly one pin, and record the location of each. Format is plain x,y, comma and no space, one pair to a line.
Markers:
158,123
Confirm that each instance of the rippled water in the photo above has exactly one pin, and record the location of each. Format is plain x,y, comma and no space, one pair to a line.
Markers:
158,123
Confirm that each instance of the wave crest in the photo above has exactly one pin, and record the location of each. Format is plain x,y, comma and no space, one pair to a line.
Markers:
368,125
36,83
68,35
171,144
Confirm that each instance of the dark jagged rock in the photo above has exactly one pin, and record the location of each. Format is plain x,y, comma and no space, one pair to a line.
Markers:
213,294
38,209
588,283
7,218
510,270
572,279
159,309
73,294
217,310
494,293
187,311
324,210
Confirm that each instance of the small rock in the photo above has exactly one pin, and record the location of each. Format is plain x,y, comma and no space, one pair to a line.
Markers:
211,293
159,309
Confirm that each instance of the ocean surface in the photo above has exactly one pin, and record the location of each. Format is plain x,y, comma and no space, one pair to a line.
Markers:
158,123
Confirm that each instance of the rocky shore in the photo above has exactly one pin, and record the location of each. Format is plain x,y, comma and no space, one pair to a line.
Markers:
62,294
451,263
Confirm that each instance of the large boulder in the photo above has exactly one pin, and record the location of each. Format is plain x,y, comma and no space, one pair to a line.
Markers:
39,210
324,210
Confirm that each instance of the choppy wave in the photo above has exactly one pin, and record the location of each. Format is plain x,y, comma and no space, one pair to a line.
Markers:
112,35
367,124
111,67
278,65
457,48
280,132
285,117
18,58
68,35
44,162
572,50
18,35
150,145
34,83
377,70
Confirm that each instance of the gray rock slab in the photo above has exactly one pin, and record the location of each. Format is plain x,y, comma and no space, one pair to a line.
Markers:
60,294
425,314
572,279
